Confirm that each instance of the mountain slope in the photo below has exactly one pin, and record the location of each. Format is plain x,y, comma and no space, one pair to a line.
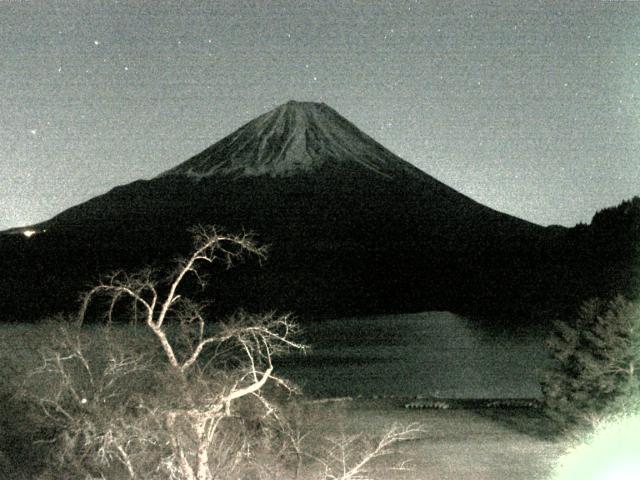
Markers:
297,149
352,228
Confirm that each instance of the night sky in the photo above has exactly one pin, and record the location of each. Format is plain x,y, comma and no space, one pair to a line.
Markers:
531,108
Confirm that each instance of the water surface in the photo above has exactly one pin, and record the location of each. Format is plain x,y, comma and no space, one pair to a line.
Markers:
435,354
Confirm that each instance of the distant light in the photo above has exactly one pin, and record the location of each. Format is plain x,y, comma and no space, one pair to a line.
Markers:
29,233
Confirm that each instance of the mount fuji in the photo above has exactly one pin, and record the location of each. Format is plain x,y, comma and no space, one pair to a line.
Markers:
294,138
352,228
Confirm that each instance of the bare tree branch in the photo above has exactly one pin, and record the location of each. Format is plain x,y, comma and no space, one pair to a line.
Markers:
249,341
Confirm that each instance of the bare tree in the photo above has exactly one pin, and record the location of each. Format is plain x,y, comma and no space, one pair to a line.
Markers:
348,457
145,292
193,428
119,414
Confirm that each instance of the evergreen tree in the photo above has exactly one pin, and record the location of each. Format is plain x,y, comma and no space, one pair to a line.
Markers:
595,370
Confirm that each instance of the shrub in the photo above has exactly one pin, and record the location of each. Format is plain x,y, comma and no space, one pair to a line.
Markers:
595,369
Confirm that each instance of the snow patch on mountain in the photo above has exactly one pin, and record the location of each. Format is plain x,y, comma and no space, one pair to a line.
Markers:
293,138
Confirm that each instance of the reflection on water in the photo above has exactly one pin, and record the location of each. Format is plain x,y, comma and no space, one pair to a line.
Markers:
424,354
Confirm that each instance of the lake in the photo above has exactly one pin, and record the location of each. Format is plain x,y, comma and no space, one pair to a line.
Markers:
433,354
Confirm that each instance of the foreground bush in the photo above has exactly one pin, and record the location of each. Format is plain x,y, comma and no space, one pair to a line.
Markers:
595,372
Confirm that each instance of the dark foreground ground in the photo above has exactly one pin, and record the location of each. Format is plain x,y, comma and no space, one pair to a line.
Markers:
457,444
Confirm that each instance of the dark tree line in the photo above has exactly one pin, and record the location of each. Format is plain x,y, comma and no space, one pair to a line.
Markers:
334,251
601,259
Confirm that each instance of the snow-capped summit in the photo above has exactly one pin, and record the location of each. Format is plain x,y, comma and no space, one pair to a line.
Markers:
293,138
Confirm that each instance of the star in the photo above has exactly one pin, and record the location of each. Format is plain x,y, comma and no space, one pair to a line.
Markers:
34,131
96,42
